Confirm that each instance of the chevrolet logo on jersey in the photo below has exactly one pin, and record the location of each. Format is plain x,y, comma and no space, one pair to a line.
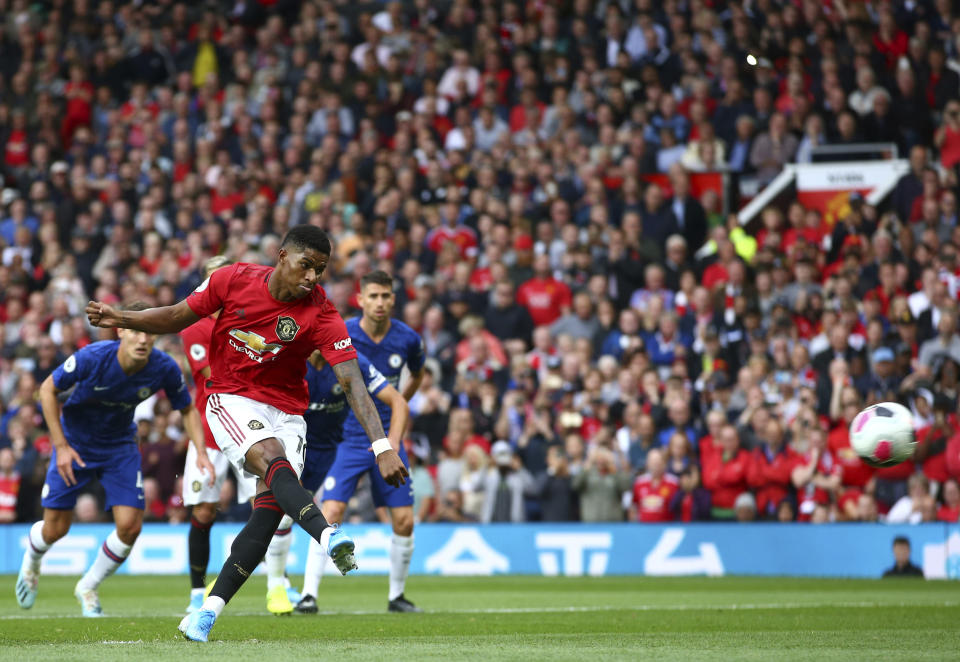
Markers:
254,345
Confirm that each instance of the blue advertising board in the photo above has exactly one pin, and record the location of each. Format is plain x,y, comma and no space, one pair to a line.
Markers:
827,550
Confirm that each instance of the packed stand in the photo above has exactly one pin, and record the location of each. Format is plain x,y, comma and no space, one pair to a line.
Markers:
601,348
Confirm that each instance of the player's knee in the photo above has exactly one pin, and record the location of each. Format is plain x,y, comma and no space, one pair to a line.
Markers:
261,454
402,521
54,530
204,513
129,531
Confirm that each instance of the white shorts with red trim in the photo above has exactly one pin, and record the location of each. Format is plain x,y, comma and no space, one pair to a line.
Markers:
238,423
197,488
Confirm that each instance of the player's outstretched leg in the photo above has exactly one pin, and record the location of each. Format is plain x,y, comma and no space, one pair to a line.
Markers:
316,560
29,578
112,553
278,601
198,542
248,549
298,503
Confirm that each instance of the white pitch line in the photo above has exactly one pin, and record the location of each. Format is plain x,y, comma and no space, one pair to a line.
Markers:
559,610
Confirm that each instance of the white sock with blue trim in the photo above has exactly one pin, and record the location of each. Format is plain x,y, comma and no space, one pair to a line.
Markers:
36,548
112,553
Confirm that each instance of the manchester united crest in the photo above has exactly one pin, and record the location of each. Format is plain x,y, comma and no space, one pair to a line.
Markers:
287,329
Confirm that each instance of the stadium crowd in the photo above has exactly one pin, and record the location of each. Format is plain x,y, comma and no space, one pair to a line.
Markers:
600,347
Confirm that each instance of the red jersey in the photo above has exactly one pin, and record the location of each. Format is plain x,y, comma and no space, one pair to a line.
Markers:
9,490
810,495
947,514
259,346
769,475
544,298
196,343
935,465
653,497
855,472
726,477
462,236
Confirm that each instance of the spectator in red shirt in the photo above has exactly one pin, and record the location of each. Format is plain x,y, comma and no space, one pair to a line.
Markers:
726,473
816,475
225,196
546,298
854,472
932,440
771,466
653,490
889,40
529,109
17,146
9,486
949,511
79,94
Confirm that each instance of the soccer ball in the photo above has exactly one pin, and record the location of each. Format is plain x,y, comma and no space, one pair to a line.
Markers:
882,434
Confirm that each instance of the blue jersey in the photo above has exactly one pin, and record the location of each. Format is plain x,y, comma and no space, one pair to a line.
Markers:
328,405
402,346
99,409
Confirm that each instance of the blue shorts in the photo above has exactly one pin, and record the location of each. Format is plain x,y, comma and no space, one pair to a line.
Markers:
355,459
118,471
316,466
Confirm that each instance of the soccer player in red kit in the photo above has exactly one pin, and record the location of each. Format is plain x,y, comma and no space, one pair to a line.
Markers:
271,319
202,493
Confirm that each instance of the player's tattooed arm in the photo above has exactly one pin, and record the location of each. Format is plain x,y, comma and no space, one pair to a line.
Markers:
355,389
165,319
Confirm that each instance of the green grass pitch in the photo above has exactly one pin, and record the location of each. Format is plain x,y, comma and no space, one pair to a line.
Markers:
504,618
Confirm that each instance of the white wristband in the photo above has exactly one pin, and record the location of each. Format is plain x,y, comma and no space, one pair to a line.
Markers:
382,446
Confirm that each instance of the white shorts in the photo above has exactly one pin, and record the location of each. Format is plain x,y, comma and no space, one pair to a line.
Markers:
196,486
238,423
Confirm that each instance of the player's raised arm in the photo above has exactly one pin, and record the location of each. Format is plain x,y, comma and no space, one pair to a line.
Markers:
165,319
355,389
205,300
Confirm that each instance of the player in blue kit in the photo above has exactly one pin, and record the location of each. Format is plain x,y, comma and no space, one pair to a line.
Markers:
390,345
325,418
94,437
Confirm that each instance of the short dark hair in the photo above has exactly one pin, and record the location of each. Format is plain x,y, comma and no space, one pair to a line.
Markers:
901,540
135,306
308,236
378,277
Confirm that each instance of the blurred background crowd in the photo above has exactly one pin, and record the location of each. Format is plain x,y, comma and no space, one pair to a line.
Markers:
600,347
